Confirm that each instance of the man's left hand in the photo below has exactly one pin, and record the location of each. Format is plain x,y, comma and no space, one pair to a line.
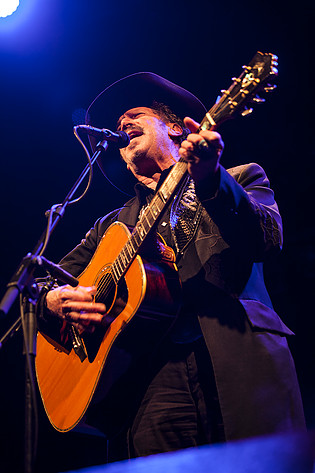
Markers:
202,151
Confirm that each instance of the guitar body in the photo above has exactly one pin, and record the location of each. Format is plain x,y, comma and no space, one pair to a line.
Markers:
67,384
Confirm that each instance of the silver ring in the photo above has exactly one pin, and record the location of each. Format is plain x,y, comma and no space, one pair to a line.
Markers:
203,146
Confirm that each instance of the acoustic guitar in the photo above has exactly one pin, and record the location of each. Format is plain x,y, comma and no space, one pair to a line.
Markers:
142,295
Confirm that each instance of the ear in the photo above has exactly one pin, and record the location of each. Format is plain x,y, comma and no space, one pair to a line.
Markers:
174,130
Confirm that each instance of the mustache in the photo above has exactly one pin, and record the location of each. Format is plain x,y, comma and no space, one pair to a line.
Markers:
135,128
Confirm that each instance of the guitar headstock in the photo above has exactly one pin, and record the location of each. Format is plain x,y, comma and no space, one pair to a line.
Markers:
257,77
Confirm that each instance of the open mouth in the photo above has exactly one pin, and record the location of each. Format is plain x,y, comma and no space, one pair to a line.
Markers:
134,134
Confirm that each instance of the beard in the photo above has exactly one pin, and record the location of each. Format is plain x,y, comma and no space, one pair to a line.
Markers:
143,164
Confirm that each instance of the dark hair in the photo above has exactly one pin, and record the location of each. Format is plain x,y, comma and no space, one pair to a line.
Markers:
168,116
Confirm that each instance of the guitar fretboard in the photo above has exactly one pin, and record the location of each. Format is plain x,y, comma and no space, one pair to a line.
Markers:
148,220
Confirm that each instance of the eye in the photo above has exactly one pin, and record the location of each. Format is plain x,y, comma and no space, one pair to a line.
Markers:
131,116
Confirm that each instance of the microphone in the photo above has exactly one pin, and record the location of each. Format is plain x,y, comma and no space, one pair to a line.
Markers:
120,138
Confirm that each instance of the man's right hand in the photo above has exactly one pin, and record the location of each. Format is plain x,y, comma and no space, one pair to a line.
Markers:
76,305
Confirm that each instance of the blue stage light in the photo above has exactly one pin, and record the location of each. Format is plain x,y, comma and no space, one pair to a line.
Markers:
7,7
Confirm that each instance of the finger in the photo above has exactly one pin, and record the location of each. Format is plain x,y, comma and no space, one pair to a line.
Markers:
194,147
213,138
80,293
187,146
191,124
206,145
88,318
189,156
83,307
84,318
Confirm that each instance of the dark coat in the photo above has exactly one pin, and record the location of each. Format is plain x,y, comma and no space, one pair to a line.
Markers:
222,275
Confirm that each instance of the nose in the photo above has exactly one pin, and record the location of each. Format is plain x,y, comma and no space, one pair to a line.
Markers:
125,123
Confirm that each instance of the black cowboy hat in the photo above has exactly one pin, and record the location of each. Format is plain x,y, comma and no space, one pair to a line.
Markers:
139,90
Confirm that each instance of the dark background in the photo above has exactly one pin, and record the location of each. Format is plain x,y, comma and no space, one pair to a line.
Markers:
55,57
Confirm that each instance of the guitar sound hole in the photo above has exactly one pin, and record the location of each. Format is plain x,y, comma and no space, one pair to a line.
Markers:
120,300
113,296
106,290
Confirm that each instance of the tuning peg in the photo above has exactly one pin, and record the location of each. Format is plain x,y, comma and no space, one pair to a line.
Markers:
246,112
258,99
225,92
236,79
270,88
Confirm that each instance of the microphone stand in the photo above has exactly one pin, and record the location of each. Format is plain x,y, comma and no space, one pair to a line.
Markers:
23,283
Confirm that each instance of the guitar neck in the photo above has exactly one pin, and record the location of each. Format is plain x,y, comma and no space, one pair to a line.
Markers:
149,219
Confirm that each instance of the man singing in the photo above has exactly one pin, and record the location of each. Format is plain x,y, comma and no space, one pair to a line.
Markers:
224,370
